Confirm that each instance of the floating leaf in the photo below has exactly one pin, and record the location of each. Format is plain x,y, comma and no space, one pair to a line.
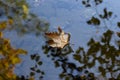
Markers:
58,39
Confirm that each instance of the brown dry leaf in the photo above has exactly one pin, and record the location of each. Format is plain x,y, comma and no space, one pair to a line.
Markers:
58,39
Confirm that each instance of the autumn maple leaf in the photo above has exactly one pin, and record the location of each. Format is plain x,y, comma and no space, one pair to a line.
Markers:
58,39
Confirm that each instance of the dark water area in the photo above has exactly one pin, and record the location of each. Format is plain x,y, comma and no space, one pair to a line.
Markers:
93,52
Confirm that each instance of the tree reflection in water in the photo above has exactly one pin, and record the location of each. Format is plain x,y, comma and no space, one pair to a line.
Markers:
101,53
15,16
20,19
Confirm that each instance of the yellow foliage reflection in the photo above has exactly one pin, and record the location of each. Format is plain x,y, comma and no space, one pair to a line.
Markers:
9,57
